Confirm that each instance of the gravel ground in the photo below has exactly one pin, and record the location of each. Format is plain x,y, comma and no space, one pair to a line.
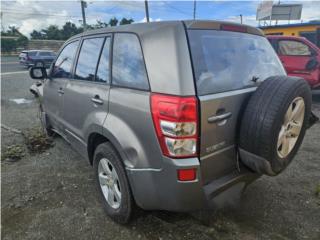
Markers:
51,195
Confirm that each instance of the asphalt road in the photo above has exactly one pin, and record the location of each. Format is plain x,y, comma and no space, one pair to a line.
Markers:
52,195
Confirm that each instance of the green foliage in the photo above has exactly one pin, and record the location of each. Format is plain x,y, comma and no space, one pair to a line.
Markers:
37,35
8,45
22,41
11,32
15,39
69,29
125,21
113,22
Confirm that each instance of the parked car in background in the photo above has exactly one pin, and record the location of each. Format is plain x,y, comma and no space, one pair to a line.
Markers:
178,115
299,56
38,58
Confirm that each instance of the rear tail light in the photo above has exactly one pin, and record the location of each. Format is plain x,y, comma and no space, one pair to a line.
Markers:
187,174
176,123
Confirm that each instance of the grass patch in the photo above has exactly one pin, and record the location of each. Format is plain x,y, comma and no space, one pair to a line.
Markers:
13,153
37,141
317,190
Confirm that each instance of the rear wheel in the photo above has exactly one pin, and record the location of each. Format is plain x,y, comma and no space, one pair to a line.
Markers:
274,124
112,183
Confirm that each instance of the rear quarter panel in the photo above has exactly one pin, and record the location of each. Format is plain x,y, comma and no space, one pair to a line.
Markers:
130,125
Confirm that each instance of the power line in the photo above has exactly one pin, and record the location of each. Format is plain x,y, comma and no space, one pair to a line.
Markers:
177,9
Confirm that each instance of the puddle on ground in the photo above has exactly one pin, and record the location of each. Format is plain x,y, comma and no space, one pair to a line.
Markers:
20,100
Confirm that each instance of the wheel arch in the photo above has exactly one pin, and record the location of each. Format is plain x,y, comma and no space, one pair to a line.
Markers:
96,139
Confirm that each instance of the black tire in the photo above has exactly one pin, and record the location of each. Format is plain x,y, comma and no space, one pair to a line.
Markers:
124,212
262,121
44,122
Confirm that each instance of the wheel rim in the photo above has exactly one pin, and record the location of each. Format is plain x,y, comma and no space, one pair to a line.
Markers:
291,127
109,183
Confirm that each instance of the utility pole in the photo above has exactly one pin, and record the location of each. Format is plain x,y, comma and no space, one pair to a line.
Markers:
2,28
194,9
147,9
83,6
241,18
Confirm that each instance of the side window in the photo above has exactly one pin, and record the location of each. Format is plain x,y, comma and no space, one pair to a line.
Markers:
293,48
88,59
103,67
128,69
62,67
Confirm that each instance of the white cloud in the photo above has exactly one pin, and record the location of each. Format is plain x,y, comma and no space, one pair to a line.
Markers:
150,19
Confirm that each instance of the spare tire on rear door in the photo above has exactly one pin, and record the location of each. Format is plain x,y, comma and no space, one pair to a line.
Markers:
274,124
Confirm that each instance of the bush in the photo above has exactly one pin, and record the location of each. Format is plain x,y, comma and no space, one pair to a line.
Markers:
22,41
8,45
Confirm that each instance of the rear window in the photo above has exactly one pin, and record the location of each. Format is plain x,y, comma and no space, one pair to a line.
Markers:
225,61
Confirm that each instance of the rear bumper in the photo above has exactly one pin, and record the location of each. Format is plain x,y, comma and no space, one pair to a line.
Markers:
159,189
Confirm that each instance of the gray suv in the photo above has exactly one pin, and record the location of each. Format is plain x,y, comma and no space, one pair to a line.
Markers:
178,115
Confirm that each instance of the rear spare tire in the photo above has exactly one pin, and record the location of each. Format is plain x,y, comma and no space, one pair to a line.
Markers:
274,124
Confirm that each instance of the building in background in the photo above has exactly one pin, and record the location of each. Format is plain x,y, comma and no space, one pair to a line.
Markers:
310,30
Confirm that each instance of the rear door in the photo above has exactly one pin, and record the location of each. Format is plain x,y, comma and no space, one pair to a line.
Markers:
227,67
54,87
86,95
46,57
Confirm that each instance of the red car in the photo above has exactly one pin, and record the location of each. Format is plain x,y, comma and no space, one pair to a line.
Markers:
299,57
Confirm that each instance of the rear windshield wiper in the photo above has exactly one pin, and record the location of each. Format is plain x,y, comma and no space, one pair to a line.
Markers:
255,79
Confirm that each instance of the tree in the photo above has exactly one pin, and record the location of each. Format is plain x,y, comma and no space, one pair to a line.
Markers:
8,45
22,41
100,24
53,32
69,29
37,35
13,31
113,22
125,21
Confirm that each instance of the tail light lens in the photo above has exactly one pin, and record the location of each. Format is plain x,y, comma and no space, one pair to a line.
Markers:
187,174
176,122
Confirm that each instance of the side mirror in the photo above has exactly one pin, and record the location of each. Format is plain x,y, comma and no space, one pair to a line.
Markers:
38,73
312,64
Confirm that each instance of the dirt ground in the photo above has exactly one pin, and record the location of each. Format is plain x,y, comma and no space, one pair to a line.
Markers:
51,195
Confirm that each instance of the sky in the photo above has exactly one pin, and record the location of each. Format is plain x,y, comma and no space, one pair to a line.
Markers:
29,15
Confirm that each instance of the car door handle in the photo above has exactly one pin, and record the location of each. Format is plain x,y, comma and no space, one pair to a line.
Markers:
96,99
219,118
60,91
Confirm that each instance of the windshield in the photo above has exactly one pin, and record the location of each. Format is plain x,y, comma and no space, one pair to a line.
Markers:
225,61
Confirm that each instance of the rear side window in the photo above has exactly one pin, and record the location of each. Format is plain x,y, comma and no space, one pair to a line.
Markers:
103,67
128,69
62,67
225,61
88,59
293,48
45,53
32,53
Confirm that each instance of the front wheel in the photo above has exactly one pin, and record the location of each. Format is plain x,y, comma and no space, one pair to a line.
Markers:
112,183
